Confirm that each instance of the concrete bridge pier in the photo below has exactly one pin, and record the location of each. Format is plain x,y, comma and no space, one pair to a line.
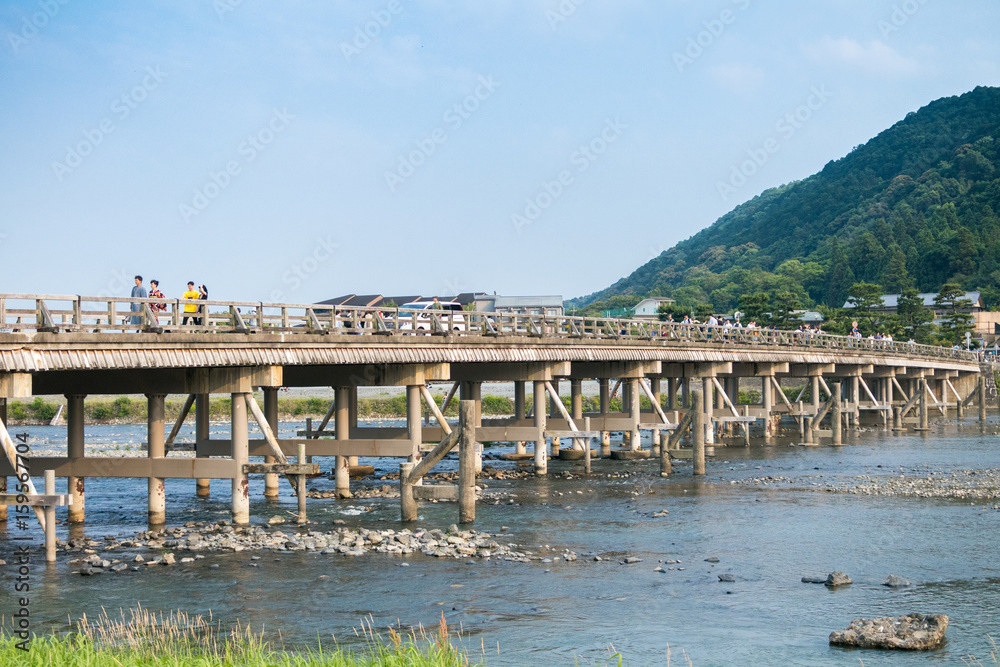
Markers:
856,400
605,405
241,456
982,399
671,393
414,421
352,417
342,426
156,449
541,458
634,413
554,412
473,391
707,393
767,401
271,479
3,478
75,486
519,413
922,403
202,422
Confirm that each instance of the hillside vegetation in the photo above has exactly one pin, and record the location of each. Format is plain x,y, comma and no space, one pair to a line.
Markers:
915,207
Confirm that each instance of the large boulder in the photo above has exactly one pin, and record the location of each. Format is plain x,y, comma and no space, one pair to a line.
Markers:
913,632
837,578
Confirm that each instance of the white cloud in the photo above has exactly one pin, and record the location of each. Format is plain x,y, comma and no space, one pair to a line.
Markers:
737,77
876,57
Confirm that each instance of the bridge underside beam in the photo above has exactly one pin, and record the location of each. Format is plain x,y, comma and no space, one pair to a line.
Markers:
366,375
227,380
587,370
511,372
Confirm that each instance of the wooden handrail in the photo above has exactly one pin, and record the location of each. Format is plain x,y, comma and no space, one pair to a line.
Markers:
38,315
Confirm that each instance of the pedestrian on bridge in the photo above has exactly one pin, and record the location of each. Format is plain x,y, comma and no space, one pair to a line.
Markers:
138,292
191,293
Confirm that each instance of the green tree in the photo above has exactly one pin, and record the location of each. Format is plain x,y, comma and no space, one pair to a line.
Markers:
955,306
895,277
840,276
912,312
784,303
754,305
866,300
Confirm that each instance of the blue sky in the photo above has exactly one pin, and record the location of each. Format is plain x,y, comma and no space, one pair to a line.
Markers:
300,150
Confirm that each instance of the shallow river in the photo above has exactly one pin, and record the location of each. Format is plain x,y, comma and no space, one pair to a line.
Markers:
768,536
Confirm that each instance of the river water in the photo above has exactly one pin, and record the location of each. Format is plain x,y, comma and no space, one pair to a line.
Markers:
767,535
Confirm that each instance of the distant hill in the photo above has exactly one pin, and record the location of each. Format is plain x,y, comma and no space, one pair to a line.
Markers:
917,206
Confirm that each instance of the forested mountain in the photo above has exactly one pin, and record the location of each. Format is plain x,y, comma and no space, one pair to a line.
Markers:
917,206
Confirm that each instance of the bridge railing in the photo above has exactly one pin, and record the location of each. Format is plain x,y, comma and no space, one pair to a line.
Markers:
96,314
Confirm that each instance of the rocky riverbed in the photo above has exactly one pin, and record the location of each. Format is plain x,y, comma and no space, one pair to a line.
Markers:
975,485
192,541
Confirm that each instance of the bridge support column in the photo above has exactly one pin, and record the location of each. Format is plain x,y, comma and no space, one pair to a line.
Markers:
698,430
541,459
240,455
271,485
352,417
201,434
407,503
634,412
3,478
942,389
157,500
671,393
767,398
889,400
342,425
555,412
814,391
414,424
835,415
576,398
605,400
686,392
922,402
519,413
856,399
707,393
473,391
75,450
654,441
982,399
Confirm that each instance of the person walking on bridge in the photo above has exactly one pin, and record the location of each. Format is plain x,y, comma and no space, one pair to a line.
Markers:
138,292
191,293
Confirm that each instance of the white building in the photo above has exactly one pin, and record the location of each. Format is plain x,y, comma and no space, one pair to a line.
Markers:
649,307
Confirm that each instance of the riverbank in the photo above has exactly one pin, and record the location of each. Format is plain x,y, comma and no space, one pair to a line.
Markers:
178,639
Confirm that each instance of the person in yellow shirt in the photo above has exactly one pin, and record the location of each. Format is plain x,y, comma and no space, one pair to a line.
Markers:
191,293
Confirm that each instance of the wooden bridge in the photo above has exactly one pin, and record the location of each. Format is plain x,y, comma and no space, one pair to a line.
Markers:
79,346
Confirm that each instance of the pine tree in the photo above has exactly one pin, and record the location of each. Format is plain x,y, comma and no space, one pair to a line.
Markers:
951,300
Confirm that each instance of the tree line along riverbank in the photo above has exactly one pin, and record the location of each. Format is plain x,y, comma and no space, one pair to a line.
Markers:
132,409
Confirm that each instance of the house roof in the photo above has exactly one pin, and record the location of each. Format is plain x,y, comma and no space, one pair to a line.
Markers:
658,299
555,301
892,300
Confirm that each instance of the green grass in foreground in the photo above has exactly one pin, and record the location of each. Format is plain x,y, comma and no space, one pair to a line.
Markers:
178,640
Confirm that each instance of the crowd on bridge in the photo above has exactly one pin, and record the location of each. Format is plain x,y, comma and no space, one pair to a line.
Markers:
192,294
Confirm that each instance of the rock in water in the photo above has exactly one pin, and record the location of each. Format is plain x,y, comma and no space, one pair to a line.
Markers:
727,578
913,632
813,580
895,582
837,578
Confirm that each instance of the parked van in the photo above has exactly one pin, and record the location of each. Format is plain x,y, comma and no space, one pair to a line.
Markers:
448,312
